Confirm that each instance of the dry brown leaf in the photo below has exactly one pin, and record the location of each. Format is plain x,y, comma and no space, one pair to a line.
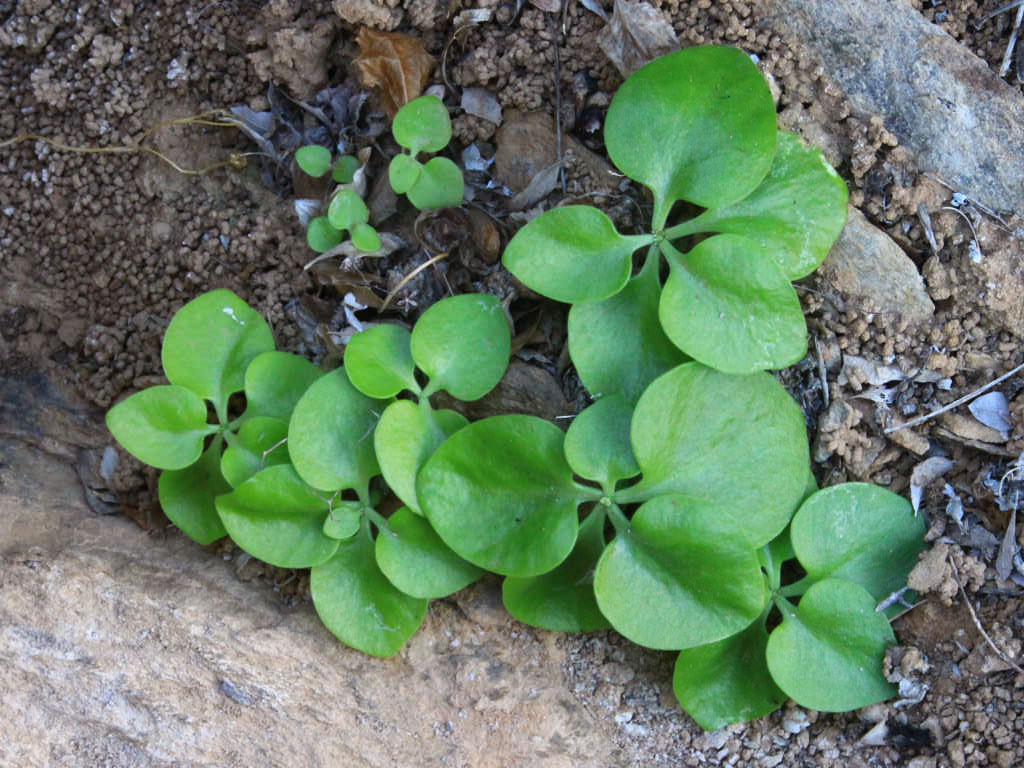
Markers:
548,6
637,34
397,64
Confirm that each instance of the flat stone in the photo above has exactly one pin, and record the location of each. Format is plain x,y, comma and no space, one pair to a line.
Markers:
120,648
868,268
943,103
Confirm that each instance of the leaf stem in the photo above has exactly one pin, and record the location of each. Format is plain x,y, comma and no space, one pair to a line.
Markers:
619,520
684,228
796,588
375,517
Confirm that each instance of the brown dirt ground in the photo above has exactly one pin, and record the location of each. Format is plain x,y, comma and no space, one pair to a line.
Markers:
99,250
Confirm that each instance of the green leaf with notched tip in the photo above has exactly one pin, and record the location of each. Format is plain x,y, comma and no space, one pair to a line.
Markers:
617,344
827,653
357,603
406,436
679,577
735,442
438,185
209,344
729,306
187,496
277,518
500,494
727,681
163,426
462,343
274,383
562,600
597,444
859,532
695,125
379,361
415,560
258,444
573,254
795,214
330,435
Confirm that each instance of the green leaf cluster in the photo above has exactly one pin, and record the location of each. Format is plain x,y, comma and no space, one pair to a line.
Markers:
675,508
346,211
297,477
697,129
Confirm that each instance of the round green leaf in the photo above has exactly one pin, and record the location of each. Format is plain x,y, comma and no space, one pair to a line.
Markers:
357,603
344,169
245,457
415,560
439,185
365,238
727,681
572,253
330,435
209,344
736,442
276,517
679,577
163,426
617,344
859,532
501,495
343,519
321,236
403,172
794,216
727,306
696,125
597,443
187,496
406,436
274,383
423,125
379,363
313,159
347,209
827,653
562,600
462,343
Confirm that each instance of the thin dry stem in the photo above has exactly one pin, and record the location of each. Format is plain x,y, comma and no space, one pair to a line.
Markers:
977,622
958,402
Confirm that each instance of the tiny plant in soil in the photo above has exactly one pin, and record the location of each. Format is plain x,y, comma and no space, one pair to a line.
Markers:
420,126
346,211
674,508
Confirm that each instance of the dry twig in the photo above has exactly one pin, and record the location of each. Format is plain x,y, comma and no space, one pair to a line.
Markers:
977,622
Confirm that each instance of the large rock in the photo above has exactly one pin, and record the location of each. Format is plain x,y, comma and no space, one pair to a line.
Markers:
943,103
119,648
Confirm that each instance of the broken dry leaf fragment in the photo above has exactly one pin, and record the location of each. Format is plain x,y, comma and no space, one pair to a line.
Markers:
638,33
924,474
396,64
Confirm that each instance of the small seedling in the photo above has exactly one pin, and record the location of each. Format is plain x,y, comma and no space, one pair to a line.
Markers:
423,125
697,126
346,211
